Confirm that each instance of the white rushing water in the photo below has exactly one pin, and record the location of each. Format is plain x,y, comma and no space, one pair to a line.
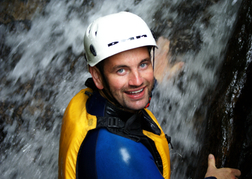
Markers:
52,64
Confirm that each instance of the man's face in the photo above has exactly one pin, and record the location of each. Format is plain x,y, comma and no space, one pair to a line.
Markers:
130,77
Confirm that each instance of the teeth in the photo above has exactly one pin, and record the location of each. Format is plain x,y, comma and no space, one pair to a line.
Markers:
134,92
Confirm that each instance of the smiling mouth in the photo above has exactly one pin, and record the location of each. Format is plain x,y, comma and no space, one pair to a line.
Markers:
136,92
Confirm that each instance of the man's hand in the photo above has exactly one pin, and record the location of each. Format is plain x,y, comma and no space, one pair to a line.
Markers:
221,173
162,66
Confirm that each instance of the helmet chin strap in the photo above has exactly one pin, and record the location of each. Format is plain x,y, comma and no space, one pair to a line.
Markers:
153,61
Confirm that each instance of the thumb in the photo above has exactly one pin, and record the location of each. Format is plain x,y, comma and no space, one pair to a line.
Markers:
211,161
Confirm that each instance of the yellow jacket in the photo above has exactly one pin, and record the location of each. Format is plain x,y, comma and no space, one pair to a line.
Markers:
75,125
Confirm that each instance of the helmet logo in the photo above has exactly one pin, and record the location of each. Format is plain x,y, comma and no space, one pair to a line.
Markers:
92,50
113,43
139,36
124,40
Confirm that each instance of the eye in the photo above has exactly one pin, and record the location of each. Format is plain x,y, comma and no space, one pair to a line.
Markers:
120,71
143,65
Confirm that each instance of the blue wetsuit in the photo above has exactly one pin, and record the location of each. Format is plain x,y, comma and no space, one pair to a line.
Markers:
107,155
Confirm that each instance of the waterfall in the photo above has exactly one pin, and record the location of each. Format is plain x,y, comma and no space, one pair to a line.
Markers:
43,68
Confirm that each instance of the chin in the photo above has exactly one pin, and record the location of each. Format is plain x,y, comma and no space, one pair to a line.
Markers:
137,107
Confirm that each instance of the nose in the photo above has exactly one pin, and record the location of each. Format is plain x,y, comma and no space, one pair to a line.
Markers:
135,78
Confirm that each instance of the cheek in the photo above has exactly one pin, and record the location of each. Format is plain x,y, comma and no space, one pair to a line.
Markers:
117,83
149,76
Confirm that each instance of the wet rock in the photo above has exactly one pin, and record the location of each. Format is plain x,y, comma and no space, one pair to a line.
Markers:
15,17
10,115
16,10
229,125
184,36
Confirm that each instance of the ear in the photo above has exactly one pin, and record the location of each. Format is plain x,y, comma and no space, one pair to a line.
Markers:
96,75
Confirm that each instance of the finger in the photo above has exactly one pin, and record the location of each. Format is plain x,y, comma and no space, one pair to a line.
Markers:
211,161
178,67
163,45
236,172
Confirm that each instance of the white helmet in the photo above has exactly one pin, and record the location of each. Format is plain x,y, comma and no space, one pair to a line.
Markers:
115,33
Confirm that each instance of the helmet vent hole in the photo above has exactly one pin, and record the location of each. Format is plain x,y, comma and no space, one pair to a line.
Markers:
95,33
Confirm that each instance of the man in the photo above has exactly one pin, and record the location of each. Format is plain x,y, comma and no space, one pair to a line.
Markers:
107,132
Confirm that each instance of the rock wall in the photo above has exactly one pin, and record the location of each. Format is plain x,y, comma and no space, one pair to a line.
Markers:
229,121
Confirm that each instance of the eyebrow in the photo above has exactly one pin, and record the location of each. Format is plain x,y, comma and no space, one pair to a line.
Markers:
123,66
146,59
118,67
